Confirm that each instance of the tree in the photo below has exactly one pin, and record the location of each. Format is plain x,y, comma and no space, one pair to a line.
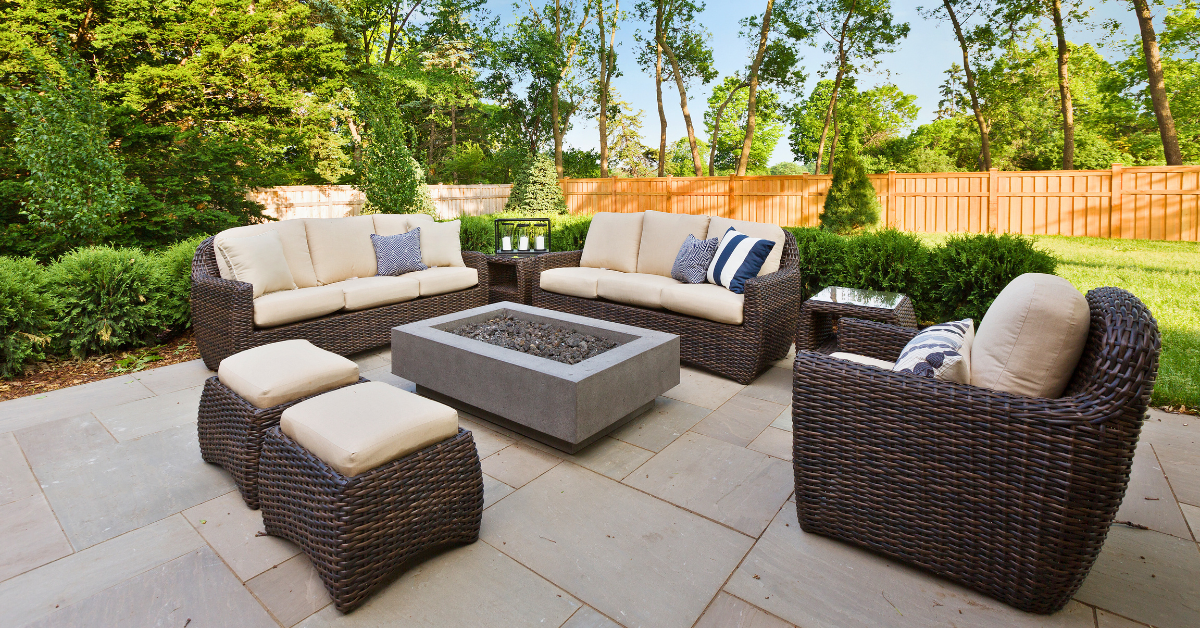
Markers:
606,31
393,181
752,100
851,203
629,154
1157,84
968,40
880,115
536,189
728,140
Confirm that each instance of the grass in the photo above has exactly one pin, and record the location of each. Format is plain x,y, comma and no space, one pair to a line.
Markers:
1166,277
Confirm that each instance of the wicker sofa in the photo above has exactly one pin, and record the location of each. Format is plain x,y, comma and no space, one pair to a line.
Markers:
338,304
1011,495
623,275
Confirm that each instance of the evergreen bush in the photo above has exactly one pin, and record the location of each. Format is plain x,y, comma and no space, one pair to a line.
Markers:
536,190
821,256
393,181
174,265
24,314
965,273
850,204
477,233
887,260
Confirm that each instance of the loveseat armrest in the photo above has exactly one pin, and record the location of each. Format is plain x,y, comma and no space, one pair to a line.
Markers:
873,339
478,261
222,316
560,259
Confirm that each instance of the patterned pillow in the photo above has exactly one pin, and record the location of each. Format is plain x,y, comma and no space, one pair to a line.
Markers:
738,258
691,265
941,352
398,254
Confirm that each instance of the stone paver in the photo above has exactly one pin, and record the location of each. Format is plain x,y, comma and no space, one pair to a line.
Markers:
1105,619
1192,515
1148,500
16,478
784,420
740,420
372,360
155,414
517,464
63,441
774,442
775,386
630,556
588,617
168,379
194,590
17,414
1176,439
384,374
789,360
494,490
607,456
1147,576
661,425
487,440
230,527
291,590
703,389
729,612
29,536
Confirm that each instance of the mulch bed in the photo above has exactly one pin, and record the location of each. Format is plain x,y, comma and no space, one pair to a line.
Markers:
55,373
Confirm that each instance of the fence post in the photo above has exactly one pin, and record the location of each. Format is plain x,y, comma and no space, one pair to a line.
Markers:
1116,209
671,193
612,195
994,203
890,210
732,208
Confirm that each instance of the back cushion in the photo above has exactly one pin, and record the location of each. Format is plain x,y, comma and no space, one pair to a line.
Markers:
395,224
662,235
718,226
1031,337
292,235
440,244
341,248
613,241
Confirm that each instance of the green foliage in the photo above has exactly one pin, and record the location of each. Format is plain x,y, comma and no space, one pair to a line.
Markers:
851,203
536,190
175,274
788,169
581,164
105,299
24,314
477,233
568,232
888,260
966,273
821,256
393,181
768,126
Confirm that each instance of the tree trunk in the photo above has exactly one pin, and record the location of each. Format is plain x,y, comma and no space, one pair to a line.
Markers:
454,138
357,137
1158,86
985,144
603,117
744,160
837,84
833,143
712,150
1064,89
555,123
683,104
662,113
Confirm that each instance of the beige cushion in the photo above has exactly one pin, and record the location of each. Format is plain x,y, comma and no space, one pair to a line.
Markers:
366,292
634,288
612,242
444,279
289,306
277,373
294,237
718,226
573,281
357,428
258,260
1030,340
662,235
395,224
440,245
704,300
341,248
862,359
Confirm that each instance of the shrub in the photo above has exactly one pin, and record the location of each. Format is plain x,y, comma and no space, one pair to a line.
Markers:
966,273
105,299
569,233
174,265
887,260
851,203
477,234
24,314
821,256
536,190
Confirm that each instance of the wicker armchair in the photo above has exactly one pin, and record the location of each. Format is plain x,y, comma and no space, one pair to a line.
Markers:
223,314
1012,496
739,352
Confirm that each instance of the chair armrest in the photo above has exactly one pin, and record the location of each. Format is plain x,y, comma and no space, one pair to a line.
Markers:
872,339
561,259
478,261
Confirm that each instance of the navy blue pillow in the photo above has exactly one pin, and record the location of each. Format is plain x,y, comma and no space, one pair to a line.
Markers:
691,265
738,259
398,254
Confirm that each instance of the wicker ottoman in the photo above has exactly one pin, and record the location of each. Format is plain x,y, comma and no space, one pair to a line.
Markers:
366,477
250,392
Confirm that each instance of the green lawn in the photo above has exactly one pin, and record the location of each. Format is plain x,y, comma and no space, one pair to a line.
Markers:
1166,277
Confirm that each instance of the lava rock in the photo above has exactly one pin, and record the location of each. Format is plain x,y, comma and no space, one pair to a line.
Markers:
540,339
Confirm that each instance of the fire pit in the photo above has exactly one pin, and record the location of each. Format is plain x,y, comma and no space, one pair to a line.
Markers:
566,406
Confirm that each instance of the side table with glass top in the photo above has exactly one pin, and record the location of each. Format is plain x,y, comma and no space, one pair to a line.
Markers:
819,314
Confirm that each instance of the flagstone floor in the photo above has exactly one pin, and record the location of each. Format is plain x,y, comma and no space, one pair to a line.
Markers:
684,517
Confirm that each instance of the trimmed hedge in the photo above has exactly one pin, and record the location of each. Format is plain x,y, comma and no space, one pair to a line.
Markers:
24,314
567,233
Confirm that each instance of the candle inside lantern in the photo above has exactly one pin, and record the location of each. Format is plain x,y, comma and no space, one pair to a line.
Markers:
524,245
540,243
506,243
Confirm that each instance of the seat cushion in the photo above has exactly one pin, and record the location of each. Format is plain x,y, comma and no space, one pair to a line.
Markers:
280,372
739,258
445,279
341,248
574,281
259,261
862,359
704,300
1030,339
718,226
393,224
662,235
294,237
357,428
634,288
368,292
440,244
289,306
398,254
613,241
940,351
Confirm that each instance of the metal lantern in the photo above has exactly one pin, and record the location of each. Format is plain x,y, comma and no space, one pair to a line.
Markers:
522,237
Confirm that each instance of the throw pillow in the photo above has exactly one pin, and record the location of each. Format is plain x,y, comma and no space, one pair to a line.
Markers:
259,261
941,352
398,254
691,264
738,258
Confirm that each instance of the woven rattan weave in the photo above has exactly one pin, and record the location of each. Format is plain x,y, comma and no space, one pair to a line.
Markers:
223,314
739,352
359,531
510,278
1012,496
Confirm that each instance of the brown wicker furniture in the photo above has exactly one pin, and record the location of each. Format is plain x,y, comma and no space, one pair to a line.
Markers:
1012,496
510,278
819,314
223,314
359,531
739,352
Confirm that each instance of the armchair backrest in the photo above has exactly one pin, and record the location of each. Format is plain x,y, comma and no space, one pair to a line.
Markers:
1120,360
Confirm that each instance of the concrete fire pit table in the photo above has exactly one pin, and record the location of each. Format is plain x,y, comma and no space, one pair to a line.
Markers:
566,406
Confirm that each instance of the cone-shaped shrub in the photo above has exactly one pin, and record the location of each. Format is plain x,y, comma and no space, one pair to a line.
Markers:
851,203
536,189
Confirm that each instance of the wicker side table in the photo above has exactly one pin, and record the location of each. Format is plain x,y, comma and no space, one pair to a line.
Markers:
820,312
509,278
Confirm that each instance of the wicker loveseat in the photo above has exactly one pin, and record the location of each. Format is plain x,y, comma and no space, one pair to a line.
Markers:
339,304
1007,494
623,275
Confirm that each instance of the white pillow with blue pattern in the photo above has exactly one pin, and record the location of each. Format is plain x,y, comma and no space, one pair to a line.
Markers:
941,352
691,264
398,254
739,258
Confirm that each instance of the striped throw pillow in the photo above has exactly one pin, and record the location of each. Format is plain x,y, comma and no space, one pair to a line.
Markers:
691,265
398,254
738,259
941,352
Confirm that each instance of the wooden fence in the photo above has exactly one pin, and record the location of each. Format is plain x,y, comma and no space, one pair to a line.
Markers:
453,201
339,201
1153,203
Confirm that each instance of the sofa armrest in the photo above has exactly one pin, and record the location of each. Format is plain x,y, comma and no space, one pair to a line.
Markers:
873,339
560,259
773,300
478,261
222,316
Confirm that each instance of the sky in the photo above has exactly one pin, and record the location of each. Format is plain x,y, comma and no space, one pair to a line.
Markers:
916,67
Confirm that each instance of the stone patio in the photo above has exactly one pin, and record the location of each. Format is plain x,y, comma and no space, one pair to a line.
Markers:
684,517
